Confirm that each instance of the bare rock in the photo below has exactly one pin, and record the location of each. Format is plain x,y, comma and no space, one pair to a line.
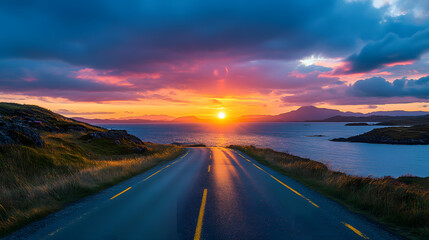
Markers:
15,133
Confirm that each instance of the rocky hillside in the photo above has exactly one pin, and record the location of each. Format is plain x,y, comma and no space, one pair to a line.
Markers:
48,160
23,124
32,125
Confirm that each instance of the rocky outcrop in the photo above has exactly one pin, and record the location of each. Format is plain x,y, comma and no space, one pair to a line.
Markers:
5,139
357,124
116,135
16,133
416,135
42,119
382,139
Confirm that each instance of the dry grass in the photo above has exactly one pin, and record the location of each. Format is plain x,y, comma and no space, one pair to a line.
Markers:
38,181
401,203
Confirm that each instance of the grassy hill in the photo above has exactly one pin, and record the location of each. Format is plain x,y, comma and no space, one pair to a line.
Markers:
48,160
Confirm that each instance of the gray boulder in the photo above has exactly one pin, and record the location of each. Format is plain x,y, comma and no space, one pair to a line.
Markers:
13,133
4,139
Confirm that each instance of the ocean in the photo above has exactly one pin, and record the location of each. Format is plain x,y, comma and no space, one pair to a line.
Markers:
309,140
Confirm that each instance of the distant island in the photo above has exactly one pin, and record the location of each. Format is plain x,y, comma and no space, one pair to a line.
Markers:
357,124
414,130
415,135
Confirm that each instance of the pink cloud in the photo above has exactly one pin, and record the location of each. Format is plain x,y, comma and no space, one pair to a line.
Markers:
399,63
110,77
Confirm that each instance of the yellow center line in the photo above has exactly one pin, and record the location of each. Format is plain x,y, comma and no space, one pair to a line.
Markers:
3,208
355,230
209,169
244,157
52,233
180,158
155,173
197,235
282,183
120,193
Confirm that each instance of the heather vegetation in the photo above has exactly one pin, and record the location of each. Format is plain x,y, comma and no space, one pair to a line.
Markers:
74,160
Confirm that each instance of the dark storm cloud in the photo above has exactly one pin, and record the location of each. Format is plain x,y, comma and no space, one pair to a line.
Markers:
43,44
371,91
391,49
379,87
140,34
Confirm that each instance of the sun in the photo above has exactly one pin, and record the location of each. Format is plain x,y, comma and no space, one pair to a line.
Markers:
221,115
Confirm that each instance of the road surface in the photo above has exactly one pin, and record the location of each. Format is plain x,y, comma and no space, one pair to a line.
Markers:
209,193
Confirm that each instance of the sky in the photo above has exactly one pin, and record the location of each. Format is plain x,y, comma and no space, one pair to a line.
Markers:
153,59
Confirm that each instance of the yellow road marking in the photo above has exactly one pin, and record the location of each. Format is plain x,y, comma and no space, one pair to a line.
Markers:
282,183
197,235
155,173
3,208
180,158
355,230
52,233
209,169
293,190
120,193
244,157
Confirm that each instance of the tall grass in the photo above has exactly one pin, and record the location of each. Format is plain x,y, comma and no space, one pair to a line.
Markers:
402,203
38,181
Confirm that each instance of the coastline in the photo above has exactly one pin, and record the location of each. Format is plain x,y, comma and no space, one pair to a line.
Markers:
400,203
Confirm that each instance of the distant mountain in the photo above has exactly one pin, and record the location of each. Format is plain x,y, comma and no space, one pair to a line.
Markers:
362,119
188,119
406,121
302,114
398,113
311,113
383,120
113,121
152,117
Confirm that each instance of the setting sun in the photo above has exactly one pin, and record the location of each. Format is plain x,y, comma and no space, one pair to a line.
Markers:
221,115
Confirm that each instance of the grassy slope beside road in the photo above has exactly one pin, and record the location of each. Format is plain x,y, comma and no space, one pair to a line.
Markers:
402,203
35,180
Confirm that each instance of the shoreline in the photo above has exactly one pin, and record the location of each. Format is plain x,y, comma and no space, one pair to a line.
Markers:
381,199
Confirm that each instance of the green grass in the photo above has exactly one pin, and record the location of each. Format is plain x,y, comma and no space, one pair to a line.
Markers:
38,181
402,204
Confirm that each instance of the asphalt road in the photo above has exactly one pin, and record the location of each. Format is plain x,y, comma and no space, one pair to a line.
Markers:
209,193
